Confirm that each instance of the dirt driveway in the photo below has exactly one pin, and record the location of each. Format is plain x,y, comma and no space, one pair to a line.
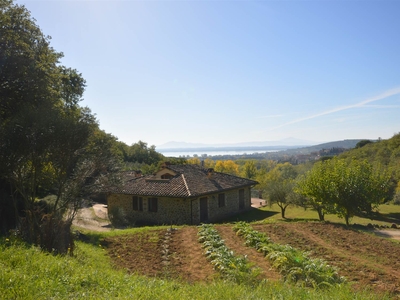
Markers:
93,218
387,233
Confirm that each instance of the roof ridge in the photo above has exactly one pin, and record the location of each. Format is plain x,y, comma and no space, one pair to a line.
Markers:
184,181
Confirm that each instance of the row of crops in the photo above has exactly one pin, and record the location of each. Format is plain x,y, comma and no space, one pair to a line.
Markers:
231,267
294,265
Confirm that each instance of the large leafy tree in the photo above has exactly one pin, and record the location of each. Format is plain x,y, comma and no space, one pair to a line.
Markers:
29,71
249,169
345,187
358,187
278,184
141,154
316,188
49,142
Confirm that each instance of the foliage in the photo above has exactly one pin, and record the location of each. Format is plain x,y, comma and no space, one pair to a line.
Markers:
278,185
227,166
315,186
384,153
50,144
208,163
141,153
362,143
345,188
293,264
224,261
194,161
249,170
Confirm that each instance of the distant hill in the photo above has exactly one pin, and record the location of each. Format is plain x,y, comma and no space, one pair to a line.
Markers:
346,144
382,152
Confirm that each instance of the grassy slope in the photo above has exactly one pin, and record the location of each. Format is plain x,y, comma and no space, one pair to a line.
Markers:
389,214
28,273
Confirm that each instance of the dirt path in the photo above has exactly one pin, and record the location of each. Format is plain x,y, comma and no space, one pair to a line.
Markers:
93,218
390,233
188,257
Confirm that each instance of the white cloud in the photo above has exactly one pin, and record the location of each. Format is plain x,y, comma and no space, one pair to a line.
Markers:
364,103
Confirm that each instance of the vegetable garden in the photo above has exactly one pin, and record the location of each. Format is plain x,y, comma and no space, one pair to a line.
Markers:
314,255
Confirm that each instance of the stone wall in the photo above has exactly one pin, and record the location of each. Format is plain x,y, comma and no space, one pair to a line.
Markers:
216,213
169,210
180,210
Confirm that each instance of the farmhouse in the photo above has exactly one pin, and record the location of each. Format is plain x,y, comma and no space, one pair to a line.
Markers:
181,194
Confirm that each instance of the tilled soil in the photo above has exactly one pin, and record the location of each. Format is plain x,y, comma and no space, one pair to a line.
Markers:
236,244
364,259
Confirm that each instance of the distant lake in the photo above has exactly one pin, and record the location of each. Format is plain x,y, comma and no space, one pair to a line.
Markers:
200,153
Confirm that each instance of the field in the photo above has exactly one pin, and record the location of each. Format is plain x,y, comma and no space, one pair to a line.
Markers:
367,261
169,263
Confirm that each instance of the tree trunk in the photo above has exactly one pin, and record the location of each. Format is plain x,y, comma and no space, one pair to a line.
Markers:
346,217
321,214
283,209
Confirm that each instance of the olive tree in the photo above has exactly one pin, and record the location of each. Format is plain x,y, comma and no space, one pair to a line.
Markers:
278,184
344,187
316,189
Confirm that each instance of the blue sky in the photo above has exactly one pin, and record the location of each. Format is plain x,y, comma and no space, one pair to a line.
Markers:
232,71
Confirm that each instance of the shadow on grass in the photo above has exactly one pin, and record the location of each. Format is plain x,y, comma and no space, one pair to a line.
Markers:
293,220
384,217
252,215
94,238
391,217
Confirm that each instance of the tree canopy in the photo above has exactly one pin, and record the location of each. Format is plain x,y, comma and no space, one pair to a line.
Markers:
50,144
345,188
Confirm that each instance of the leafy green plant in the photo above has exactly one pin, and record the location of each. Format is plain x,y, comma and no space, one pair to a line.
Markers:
231,267
293,264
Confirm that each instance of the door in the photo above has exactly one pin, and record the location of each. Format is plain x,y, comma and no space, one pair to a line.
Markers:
203,209
241,199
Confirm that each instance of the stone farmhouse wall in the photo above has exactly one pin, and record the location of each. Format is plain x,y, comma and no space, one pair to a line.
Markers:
180,210
216,213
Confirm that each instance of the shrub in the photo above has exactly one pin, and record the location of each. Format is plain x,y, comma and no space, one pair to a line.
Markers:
118,217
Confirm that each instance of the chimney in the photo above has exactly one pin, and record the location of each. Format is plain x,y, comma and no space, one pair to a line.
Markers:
210,173
138,173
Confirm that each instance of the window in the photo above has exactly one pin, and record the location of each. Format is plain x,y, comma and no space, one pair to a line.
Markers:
167,176
221,200
137,203
152,204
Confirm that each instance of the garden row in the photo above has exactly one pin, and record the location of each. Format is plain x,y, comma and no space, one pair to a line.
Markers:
294,265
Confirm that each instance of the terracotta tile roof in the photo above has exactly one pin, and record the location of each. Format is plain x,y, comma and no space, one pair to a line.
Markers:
189,181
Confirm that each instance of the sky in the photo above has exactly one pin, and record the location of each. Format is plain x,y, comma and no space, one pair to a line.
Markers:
221,72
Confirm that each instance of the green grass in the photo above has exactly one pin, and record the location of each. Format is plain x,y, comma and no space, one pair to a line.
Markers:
389,214
28,273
